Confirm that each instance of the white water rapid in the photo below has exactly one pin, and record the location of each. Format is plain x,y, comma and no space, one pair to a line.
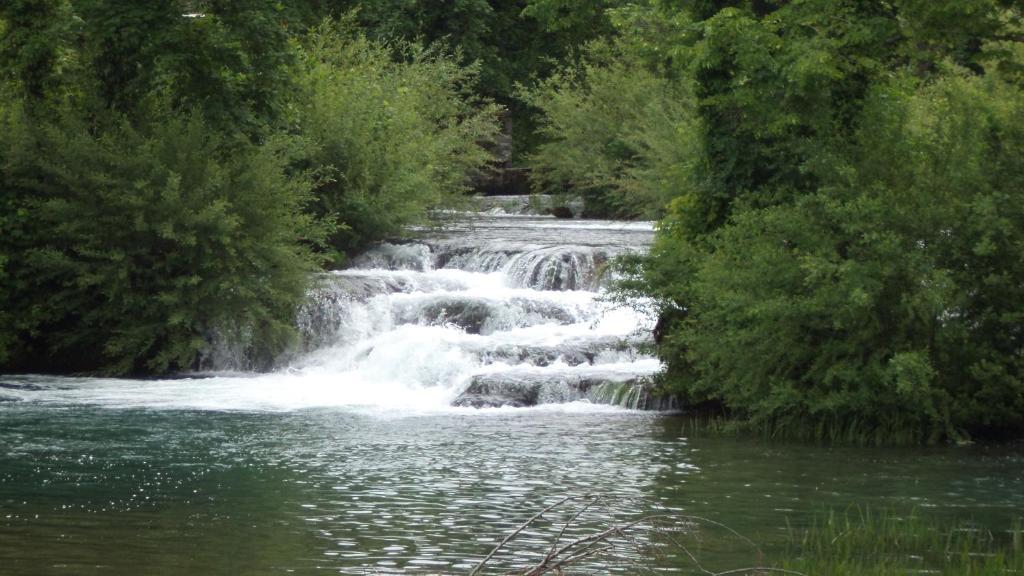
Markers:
493,312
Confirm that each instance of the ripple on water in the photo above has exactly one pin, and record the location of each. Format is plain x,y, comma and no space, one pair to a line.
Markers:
351,492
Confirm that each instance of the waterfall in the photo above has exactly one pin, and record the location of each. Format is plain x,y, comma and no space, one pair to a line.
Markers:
512,305
490,311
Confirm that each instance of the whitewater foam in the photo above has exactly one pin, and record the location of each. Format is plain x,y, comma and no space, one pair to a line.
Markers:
411,325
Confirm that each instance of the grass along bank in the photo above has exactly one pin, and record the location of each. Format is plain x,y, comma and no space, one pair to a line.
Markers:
882,543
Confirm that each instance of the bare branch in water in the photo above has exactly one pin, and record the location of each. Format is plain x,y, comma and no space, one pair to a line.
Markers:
618,543
522,527
568,523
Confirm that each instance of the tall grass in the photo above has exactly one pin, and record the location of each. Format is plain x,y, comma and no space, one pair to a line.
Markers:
853,542
866,542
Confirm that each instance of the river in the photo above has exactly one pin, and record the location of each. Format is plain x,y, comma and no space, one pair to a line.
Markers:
448,389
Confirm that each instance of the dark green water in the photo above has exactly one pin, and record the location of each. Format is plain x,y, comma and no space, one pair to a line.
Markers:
88,490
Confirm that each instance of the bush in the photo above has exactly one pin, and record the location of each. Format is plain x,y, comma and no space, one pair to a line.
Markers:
616,132
144,223
132,246
889,301
390,139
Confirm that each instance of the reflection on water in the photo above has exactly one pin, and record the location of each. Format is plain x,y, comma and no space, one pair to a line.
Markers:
102,491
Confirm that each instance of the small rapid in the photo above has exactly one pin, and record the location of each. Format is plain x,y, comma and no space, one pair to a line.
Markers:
489,311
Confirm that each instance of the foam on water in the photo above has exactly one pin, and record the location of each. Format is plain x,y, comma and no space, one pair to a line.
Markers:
411,325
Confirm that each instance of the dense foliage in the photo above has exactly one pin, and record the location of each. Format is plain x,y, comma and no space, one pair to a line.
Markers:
172,173
843,244
512,41
391,139
136,244
615,132
890,297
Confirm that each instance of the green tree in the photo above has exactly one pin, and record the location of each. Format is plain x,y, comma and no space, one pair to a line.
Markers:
233,59
511,42
136,245
841,252
841,222
616,132
389,139
887,302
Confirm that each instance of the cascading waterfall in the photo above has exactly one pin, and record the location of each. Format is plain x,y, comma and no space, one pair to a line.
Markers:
514,301
491,311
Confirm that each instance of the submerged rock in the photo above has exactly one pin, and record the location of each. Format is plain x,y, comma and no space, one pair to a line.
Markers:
500,390
21,385
522,389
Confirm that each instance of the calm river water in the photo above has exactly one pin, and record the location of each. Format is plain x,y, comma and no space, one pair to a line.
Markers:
87,490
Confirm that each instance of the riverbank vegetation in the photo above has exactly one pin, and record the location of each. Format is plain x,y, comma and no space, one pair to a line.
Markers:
855,541
841,233
862,542
134,232
389,140
172,177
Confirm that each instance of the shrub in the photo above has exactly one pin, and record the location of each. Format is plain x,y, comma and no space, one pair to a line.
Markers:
390,139
616,132
135,245
890,299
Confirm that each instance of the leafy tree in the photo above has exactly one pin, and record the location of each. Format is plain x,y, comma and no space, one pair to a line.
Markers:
511,42
841,253
232,59
159,163
617,133
773,91
840,225
889,300
34,44
390,139
135,244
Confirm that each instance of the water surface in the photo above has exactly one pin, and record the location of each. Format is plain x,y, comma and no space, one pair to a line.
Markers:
87,490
